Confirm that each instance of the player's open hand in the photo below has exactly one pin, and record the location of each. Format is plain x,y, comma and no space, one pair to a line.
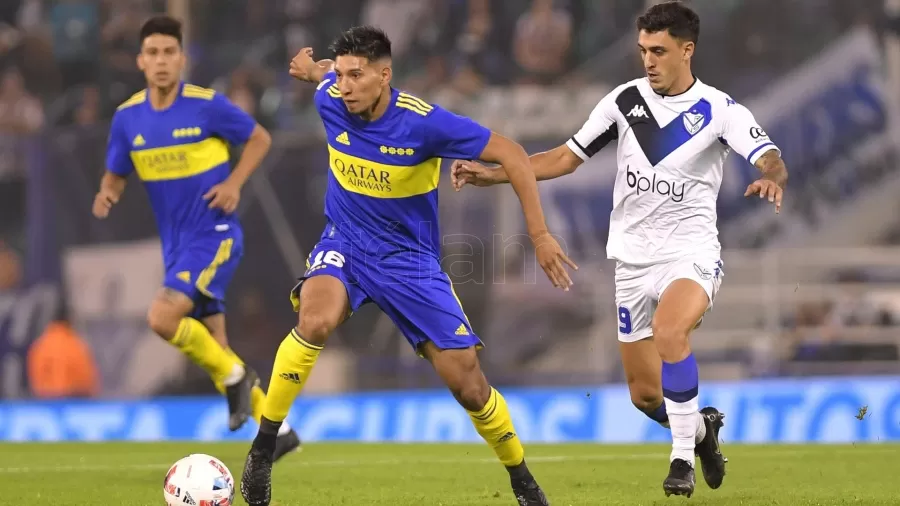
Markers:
464,172
552,259
766,188
103,202
225,196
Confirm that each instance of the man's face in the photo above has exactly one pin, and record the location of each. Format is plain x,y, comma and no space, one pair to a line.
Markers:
665,58
162,60
360,81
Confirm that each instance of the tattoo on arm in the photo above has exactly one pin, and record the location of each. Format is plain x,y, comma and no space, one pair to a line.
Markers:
773,168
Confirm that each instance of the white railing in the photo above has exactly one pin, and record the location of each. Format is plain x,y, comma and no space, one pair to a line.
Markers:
763,290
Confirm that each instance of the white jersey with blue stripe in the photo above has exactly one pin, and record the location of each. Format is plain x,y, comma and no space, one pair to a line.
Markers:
671,154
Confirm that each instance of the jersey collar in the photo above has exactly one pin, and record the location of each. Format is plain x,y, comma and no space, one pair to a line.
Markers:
178,96
690,93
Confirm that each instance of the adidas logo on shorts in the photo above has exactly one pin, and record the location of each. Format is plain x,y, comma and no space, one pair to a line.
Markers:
462,330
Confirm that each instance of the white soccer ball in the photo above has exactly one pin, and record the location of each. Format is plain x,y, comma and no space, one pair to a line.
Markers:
200,480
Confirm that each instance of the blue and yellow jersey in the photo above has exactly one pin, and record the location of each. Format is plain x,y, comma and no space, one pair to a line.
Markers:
179,153
382,186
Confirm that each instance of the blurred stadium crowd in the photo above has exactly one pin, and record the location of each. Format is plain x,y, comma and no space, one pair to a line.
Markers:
66,64
71,62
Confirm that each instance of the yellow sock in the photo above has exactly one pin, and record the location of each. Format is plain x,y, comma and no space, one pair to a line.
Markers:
257,395
293,363
495,426
194,340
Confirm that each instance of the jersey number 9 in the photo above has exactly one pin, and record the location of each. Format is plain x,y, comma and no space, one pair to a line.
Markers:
624,320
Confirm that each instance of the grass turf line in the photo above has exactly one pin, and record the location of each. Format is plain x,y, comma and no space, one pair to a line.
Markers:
131,474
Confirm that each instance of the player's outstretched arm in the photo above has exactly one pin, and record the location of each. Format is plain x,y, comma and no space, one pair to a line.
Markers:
111,188
743,134
771,184
304,68
513,157
546,165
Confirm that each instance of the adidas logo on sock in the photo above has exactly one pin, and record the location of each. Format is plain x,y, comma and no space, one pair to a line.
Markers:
507,437
290,376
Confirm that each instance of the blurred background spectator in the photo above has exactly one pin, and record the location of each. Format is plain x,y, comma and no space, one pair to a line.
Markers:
815,292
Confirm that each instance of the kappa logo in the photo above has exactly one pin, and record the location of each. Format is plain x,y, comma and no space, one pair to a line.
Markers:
693,122
638,111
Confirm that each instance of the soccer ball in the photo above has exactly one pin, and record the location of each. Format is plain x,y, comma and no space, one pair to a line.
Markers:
200,480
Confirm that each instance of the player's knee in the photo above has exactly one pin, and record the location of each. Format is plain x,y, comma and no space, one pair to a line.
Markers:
671,341
163,323
315,328
646,399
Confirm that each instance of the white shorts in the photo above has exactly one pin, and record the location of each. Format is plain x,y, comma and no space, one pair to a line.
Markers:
638,289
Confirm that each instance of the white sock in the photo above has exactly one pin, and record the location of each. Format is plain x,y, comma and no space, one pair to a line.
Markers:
284,429
701,430
237,374
684,417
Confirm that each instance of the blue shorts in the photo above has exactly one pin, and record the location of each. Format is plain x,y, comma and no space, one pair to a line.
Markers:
415,294
202,270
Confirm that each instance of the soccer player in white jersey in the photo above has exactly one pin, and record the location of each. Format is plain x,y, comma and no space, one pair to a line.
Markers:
674,134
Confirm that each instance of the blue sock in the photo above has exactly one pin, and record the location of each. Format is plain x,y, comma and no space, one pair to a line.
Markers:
680,380
659,415
680,387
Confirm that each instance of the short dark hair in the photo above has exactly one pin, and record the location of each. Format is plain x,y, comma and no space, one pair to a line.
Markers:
161,25
367,41
673,16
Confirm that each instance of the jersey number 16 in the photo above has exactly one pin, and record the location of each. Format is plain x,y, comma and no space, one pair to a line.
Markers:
329,257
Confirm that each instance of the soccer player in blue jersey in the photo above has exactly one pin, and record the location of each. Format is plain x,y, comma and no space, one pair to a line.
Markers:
382,244
175,136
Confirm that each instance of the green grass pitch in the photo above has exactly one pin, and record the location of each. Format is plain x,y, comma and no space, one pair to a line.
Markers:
129,474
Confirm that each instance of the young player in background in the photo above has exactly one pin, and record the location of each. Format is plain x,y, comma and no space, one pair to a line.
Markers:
674,133
176,137
382,244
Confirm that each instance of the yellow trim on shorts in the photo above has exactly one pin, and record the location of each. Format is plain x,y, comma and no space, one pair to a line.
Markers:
207,274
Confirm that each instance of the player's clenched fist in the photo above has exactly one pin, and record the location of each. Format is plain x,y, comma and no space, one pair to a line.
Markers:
304,68
551,258
103,202
225,196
